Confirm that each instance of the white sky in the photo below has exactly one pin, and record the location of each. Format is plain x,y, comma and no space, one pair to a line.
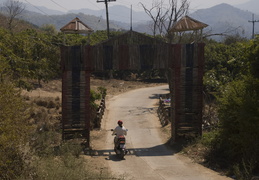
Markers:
65,5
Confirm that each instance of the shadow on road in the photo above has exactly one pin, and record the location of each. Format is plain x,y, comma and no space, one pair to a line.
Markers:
156,96
160,150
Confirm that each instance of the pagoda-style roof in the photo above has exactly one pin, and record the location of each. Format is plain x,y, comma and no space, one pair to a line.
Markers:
76,26
187,24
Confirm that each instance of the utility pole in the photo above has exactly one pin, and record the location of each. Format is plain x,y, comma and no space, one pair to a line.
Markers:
131,18
253,21
107,14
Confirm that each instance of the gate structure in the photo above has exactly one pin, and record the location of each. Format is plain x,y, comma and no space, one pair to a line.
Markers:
183,62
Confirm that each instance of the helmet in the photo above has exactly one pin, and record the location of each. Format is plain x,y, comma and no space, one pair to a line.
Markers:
120,122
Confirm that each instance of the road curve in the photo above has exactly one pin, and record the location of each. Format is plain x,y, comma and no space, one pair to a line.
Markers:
148,158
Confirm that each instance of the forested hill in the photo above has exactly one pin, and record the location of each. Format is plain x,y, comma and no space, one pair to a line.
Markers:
224,18
251,5
96,23
19,25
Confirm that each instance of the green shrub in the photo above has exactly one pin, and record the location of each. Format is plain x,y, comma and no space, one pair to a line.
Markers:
238,141
103,91
14,130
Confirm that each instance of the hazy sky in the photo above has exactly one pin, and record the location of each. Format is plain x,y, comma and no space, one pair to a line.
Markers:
65,5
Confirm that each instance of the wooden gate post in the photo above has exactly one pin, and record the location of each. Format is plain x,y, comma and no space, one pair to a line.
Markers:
175,81
76,70
186,82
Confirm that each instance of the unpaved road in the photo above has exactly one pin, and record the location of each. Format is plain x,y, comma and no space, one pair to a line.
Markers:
148,158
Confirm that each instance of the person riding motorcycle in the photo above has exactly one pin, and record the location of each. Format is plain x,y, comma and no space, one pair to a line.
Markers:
120,130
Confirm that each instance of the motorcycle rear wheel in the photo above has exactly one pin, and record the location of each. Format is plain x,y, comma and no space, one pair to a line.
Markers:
122,154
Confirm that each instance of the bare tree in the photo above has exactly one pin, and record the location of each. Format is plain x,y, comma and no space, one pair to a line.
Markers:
164,15
12,9
157,19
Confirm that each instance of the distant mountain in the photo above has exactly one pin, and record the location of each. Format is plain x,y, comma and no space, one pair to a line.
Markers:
224,18
19,25
59,21
117,13
42,10
121,16
251,5
37,9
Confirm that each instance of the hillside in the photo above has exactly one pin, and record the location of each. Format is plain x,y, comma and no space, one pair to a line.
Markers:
251,6
19,25
225,18
96,23
117,13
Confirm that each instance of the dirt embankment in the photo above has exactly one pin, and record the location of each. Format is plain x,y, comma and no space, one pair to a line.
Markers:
113,86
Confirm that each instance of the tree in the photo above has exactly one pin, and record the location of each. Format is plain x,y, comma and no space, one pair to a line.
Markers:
28,55
164,15
238,141
49,28
14,130
156,18
12,8
253,57
224,63
238,136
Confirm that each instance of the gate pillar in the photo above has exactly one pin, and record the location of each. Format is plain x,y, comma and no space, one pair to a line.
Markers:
186,83
76,70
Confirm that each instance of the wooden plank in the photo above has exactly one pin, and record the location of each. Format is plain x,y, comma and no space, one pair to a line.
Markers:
98,56
176,72
124,58
134,57
108,57
87,58
87,106
146,56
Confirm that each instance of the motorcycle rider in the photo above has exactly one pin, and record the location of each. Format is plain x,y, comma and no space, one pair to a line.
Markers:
120,130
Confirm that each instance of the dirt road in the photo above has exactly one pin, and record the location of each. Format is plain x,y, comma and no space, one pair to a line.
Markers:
148,157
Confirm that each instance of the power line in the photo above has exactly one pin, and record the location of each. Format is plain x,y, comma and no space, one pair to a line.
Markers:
95,5
59,5
49,16
134,5
37,8
253,21
68,10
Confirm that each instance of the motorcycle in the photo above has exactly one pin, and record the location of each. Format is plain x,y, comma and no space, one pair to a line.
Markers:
120,147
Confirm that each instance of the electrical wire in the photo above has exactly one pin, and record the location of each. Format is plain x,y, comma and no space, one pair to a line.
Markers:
49,16
124,2
59,5
126,17
95,5
134,5
96,24
37,8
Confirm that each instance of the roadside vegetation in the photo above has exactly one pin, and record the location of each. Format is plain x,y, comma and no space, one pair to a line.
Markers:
231,114
30,133
30,137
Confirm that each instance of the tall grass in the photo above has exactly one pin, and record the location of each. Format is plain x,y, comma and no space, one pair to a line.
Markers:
43,154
